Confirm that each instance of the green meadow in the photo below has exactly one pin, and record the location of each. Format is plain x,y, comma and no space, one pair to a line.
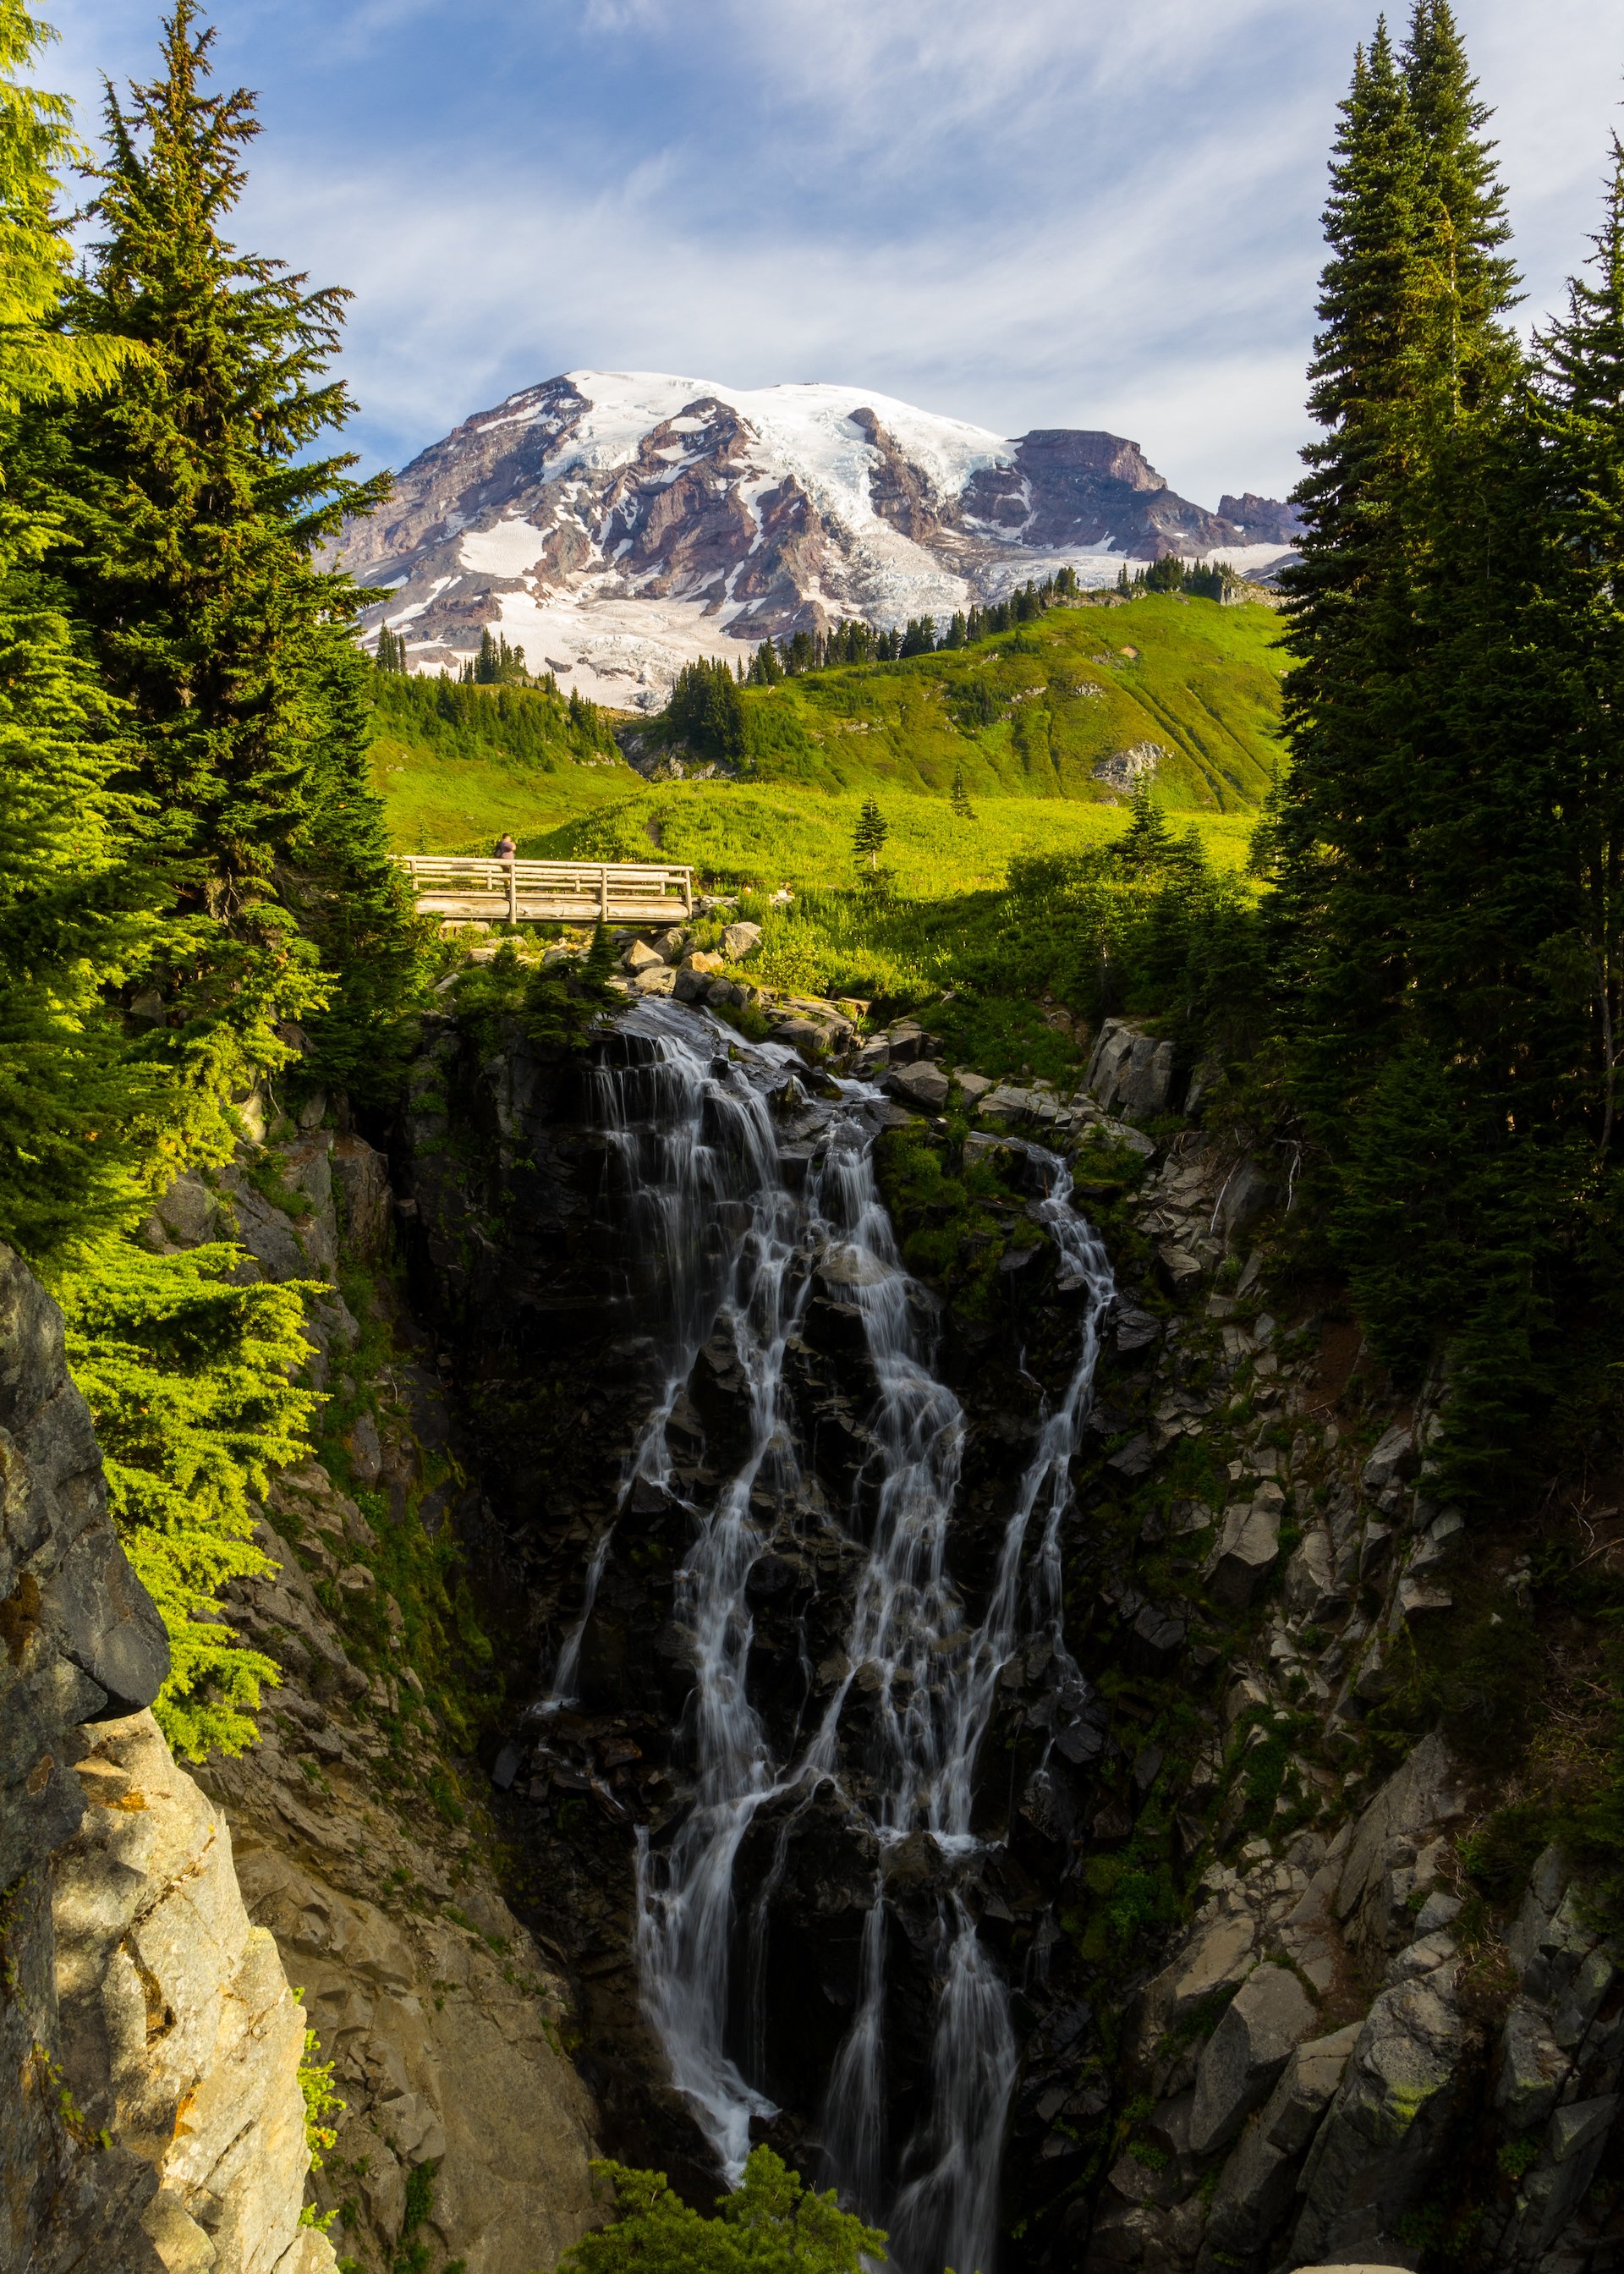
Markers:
1024,719
1021,719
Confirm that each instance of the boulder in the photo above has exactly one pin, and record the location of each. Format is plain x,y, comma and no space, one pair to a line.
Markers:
1310,1585
740,940
1004,1103
1246,1549
1156,1640
971,1086
1270,2016
1533,2067
1393,1458
1420,1796
187,1211
1130,1071
180,2032
1255,2188
805,1035
1177,1266
1219,1955
700,961
669,944
1443,1541
1249,1192
921,1084
1417,1599
655,979
1386,2141
1124,1133
641,957
1576,2141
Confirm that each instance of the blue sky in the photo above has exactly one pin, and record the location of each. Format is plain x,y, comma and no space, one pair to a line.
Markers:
1025,212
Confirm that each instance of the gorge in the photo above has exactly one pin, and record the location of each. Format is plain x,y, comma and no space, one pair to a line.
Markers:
929,1688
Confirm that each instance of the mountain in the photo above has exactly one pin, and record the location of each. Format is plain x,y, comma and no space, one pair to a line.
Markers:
1265,521
616,524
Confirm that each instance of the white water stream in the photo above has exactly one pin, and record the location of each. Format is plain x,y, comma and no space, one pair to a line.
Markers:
737,1249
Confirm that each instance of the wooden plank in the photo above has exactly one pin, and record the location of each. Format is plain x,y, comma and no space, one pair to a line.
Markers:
558,908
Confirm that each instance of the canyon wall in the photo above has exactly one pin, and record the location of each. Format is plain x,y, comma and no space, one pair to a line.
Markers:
1264,2014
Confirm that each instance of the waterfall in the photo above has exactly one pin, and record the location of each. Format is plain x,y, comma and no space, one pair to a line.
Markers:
697,1135
698,1166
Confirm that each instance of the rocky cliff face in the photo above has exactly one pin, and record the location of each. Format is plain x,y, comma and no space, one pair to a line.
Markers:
1261,2016
361,1845
153,2114
155,2117
616,524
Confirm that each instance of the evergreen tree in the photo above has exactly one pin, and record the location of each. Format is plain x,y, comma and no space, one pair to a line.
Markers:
920,635
961,804
1460,219
80,898
351,900
187,1376
194,820
1419,836
1411,306
198,506
1577,620
706,711
872,831
768,2224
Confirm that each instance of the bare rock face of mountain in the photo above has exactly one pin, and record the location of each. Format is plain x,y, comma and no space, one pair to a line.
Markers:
1265,521
618,524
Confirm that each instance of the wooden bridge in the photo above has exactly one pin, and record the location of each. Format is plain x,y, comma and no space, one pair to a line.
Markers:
549,891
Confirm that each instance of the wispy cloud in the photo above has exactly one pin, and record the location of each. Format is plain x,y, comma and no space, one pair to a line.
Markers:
1027,215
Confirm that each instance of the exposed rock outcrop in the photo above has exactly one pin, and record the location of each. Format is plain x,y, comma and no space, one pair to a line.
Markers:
152,2116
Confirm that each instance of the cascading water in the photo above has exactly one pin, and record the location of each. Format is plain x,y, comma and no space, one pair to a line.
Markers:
699,1169
738,1247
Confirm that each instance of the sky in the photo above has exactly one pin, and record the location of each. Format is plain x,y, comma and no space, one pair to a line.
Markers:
1023,212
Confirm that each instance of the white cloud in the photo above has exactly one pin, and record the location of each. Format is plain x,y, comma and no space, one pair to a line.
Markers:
1031,215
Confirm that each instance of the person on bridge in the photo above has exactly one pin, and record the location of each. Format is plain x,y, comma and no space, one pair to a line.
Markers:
505,847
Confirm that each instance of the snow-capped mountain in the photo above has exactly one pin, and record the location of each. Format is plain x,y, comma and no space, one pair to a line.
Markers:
616,524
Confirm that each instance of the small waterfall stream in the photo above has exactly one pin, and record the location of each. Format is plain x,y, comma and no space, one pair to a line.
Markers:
736,1246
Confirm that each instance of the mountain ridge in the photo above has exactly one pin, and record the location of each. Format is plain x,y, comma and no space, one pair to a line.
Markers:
620,525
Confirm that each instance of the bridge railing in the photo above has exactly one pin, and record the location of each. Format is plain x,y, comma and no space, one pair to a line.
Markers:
610,886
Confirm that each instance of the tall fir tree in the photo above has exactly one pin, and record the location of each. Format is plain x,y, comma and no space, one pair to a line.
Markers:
79,904
199,504
1577,620
1339,828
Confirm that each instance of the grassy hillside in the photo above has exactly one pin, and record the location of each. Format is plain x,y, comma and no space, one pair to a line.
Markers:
743,834
1032,712
1025,716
